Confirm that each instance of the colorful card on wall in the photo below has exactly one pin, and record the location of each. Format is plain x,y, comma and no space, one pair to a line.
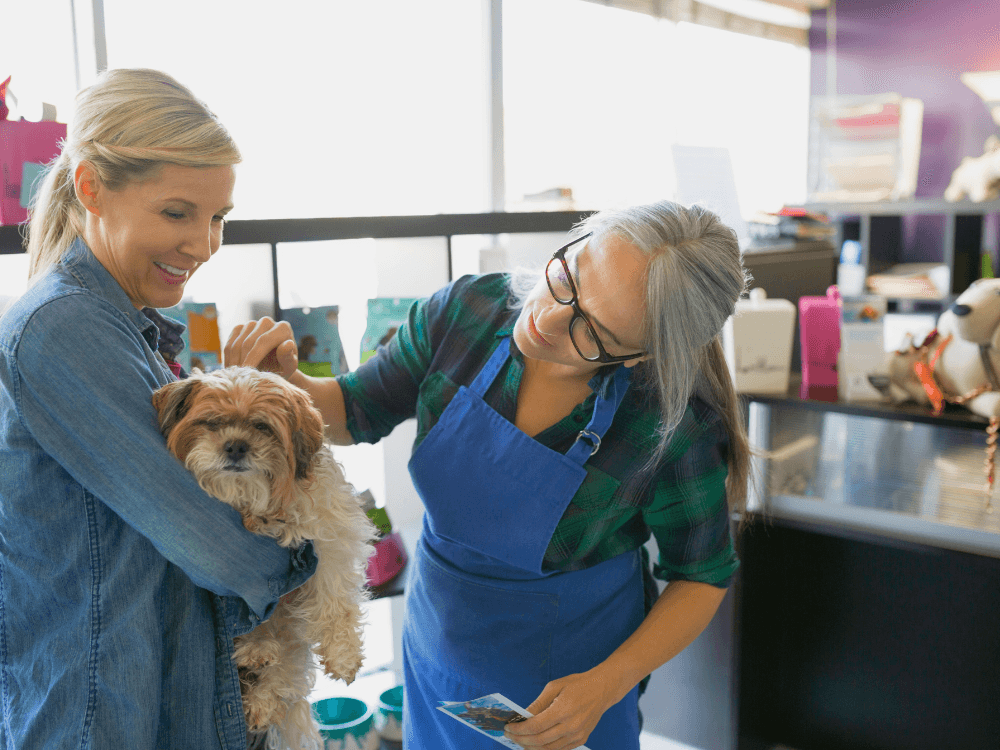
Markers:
202,345
385,316
317,334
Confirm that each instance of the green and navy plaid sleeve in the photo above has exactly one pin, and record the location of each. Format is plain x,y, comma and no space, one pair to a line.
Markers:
689,514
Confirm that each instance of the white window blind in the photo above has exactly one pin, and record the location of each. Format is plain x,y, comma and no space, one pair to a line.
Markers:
751,17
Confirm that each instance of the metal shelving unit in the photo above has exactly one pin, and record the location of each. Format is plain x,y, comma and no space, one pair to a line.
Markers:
879,228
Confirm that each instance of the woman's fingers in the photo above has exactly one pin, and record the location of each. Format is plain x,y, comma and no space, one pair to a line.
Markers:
265,344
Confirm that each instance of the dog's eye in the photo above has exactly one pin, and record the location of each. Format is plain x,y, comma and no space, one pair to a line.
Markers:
211,424
263,427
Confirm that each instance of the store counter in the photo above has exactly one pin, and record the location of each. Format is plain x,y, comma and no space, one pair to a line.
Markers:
870,581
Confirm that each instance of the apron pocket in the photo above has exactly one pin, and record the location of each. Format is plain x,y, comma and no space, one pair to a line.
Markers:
473,631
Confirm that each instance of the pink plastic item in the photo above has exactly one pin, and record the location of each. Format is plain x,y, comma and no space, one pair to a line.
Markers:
22,141
388,560
819,328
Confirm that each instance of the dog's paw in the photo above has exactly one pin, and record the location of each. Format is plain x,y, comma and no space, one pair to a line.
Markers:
262,707
255,655
343,669
257,713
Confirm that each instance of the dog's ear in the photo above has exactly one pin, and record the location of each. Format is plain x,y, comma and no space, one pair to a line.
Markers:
172,402
307,433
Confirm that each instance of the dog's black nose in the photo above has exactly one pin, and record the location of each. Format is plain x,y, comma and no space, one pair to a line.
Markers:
236,449
960,310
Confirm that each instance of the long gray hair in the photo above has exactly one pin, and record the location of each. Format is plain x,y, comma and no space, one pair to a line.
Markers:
126,125
695,275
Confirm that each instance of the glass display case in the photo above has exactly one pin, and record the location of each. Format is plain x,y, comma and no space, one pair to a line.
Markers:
878,469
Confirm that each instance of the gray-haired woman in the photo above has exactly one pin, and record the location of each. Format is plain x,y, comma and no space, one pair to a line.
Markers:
562,417
122,583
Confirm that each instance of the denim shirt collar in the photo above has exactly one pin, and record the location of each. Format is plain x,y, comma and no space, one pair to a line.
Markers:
80,261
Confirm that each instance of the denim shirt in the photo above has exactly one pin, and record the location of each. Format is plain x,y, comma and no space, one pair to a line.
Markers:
122,583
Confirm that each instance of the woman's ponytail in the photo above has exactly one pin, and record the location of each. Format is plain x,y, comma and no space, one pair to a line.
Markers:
55,216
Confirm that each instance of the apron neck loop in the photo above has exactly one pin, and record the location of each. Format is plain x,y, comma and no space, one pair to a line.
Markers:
589,440
605,406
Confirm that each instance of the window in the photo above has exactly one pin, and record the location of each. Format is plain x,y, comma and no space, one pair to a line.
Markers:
594,98
340,108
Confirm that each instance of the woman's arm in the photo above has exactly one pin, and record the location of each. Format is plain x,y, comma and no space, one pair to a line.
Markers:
83,389
268,345
569,708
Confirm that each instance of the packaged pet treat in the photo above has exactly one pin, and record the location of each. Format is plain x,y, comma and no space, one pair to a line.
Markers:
385,316
317,334
389,557
202,345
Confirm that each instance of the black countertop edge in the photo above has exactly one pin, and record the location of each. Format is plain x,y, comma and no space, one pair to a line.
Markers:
953,416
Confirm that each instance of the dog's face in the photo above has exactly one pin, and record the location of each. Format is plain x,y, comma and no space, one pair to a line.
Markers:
247,436
975,315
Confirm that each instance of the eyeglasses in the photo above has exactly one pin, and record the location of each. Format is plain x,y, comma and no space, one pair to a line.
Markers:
581,331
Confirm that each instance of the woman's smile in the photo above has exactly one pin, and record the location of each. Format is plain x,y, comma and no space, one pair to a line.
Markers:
535,332
170,274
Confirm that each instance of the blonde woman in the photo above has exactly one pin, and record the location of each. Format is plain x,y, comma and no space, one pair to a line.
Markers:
562,417
122,584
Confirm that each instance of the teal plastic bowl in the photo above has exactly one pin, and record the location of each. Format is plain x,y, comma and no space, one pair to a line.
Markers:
340,718
389,714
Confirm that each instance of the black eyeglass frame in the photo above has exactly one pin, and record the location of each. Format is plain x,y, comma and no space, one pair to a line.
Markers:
603,357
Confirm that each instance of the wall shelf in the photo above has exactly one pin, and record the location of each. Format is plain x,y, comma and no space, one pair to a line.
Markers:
878,226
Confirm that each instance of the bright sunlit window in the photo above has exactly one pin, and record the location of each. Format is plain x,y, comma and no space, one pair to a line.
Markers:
595,97
340,108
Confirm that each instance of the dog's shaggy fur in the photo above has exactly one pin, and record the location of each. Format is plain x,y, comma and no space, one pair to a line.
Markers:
255,442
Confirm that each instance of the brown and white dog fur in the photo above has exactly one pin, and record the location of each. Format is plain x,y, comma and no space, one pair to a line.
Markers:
255,442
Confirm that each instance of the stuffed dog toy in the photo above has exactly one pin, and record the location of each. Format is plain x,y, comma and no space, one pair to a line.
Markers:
959,361
977,177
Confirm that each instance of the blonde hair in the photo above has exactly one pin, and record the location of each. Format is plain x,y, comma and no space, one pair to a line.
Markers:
127,125
695,275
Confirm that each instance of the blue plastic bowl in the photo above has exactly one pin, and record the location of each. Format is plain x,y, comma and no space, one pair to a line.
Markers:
340,717
389,714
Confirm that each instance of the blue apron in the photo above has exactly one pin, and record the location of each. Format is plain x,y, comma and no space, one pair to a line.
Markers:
481,615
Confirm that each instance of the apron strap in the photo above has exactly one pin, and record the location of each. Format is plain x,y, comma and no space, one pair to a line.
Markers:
589,440
492,367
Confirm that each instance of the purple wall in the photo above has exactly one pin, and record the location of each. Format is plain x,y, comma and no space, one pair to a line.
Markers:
918,48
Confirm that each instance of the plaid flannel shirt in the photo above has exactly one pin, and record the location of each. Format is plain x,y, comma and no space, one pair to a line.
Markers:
447,339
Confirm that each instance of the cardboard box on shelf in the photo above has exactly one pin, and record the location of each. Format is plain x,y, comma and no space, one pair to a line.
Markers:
862,347
758,343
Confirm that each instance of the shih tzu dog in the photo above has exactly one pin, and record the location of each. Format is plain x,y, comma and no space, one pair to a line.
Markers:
255,442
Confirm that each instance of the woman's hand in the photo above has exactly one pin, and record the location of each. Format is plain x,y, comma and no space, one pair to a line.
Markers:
565,713
265,345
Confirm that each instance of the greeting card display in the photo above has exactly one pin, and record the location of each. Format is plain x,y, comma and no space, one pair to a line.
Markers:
385,316
202,345
317,334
